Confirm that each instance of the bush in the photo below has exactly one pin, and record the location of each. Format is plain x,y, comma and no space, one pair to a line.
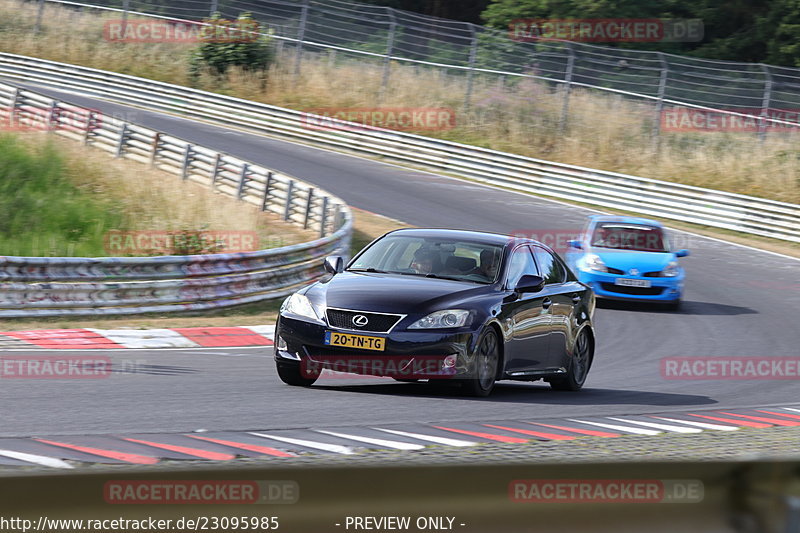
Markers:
219,53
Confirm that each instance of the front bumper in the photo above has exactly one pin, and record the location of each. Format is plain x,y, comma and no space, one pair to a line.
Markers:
407,354
660,290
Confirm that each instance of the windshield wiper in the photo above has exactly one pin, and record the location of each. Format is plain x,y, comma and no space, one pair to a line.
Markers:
370,269
438,276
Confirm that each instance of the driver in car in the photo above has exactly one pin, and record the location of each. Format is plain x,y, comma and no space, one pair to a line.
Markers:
488,265
424,261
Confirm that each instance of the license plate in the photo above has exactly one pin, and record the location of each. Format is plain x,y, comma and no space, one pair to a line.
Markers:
362,342
632,282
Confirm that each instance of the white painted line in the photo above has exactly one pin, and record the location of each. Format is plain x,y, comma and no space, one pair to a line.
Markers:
430,438
665,427
377,442
703,425
146,338
335,448
264,331
637,431
36,459
791,409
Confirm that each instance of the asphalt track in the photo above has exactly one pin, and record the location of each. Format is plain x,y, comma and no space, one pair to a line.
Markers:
738,302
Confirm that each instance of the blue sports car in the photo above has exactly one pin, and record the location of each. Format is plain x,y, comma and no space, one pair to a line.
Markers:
627,258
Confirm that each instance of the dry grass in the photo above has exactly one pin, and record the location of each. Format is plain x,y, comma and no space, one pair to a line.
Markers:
604,131
153,200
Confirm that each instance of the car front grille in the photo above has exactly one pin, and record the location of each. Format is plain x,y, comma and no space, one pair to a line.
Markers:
612,270
376,322
656,274
638,291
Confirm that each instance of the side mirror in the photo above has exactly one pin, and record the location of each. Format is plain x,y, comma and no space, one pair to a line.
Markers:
530,283
681,253
334,264
575,244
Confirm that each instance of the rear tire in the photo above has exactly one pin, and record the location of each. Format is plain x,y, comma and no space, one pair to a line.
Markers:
579,365
291,375
487,358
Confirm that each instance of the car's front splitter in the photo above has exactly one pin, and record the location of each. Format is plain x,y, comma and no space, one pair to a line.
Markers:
422,354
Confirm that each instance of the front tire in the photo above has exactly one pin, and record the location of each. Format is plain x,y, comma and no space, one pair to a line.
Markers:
291,375
579,365
487,358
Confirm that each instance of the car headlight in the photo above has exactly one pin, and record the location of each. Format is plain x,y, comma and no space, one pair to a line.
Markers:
449,318
299,305
671,270
593,262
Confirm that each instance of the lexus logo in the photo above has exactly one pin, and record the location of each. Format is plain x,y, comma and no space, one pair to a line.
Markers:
360,321
634,272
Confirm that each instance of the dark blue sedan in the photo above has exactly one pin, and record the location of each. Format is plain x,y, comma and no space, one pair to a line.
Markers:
436,305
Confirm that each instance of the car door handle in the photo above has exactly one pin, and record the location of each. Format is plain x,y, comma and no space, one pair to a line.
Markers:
546,303
576,298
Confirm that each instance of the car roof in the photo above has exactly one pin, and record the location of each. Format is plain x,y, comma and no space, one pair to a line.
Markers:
483,237
625,220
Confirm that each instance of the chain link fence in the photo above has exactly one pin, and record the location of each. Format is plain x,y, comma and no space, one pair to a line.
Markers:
385,35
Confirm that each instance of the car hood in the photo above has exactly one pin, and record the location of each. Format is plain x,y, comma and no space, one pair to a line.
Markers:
391,293
628,259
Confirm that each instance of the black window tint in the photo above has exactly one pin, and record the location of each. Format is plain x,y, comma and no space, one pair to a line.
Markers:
549,267
519,264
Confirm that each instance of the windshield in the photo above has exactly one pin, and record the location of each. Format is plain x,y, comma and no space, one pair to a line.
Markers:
636,237
432,257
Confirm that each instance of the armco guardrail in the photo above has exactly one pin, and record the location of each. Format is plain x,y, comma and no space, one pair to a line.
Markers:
746,214
61,286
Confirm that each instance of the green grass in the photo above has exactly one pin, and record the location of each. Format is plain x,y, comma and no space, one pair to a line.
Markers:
43,212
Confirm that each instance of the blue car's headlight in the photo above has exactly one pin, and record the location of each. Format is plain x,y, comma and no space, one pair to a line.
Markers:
671,270
593,262
449,318
300,306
